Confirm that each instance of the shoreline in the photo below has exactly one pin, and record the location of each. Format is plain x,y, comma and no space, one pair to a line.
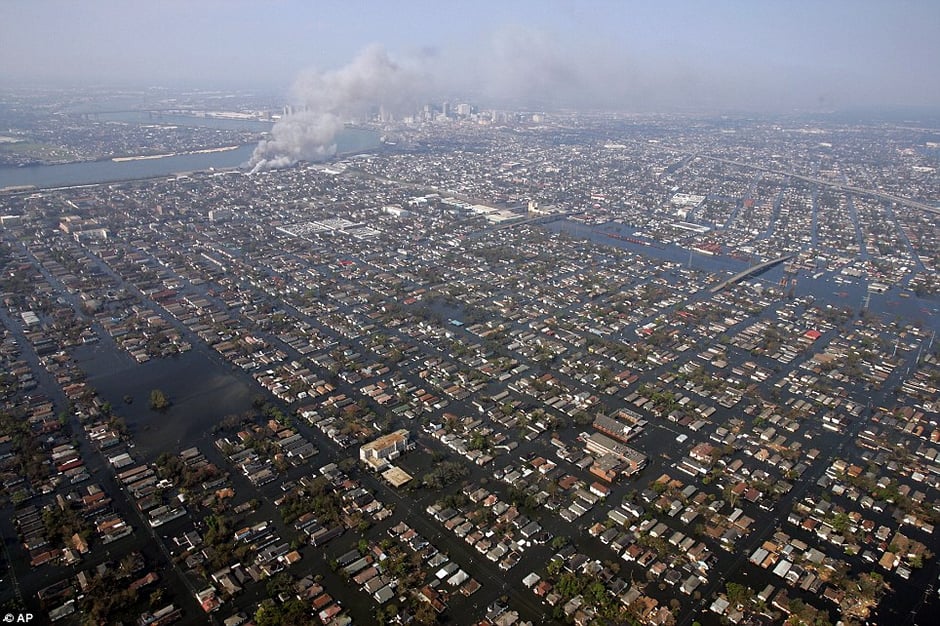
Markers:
120,159
14,189
145,157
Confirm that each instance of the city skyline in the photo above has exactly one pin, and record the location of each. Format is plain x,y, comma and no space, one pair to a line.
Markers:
714,57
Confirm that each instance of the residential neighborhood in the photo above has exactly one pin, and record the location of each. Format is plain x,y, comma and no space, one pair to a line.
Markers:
652,373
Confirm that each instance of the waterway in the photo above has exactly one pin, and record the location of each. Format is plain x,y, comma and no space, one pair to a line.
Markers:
351,140
827,287
671,253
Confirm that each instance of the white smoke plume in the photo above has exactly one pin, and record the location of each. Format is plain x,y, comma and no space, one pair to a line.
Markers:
324,100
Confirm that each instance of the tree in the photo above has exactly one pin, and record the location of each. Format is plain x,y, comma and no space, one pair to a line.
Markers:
268,614
738,594
425,614
128,566
840,522
156,597
158,400
19,497
445,473
278,584
478,442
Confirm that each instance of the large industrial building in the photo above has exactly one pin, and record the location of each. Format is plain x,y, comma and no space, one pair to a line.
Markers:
378,453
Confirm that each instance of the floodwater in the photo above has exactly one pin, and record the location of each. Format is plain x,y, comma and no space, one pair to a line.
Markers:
204,389
200,388
895,302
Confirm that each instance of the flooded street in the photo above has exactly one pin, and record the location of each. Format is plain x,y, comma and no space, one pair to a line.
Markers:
201,391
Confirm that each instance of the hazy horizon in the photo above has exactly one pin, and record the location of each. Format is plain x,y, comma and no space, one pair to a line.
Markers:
625,56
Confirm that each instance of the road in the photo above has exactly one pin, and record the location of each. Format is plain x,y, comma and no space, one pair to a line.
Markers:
751,271
840,186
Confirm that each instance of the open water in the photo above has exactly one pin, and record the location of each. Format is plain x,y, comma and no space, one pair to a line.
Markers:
93,172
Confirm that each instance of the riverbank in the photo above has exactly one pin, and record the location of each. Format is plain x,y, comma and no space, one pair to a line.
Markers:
144,157
123,169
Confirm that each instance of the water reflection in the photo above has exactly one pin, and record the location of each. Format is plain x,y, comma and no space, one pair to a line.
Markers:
200,389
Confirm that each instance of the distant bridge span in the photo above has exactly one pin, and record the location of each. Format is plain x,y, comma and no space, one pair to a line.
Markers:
751,271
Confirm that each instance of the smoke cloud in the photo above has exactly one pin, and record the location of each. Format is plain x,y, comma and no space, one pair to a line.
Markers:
522,67
324,100
529,66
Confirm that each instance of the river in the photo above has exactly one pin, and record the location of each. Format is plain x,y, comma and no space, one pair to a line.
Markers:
351,140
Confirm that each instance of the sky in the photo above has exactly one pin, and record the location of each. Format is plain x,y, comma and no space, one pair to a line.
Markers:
716,55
